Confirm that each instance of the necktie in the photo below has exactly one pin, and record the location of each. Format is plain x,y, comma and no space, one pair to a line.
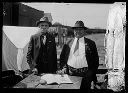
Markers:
43,39
77,45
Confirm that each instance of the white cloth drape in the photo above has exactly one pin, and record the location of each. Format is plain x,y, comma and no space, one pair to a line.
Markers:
115,46
19,58
115,37
19,36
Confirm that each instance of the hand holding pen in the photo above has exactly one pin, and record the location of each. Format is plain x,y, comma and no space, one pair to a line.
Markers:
61,72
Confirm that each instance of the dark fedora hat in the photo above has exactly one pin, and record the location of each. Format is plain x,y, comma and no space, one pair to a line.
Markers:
44,19
79,24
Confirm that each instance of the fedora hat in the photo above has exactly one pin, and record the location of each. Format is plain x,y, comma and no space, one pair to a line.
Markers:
79,24
44,19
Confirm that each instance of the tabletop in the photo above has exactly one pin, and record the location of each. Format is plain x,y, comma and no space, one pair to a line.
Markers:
32,81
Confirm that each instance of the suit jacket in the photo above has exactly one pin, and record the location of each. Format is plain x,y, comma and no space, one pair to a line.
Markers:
34,48
91,54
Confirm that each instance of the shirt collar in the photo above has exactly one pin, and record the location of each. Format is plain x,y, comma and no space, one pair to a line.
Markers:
80,39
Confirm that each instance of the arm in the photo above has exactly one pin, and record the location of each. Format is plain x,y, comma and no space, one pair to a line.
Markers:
55,54
63,60
95,57
63,57
30,53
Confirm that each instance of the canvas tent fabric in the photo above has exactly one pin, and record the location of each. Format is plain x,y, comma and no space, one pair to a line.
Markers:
14,47
9,54
115,46
115,37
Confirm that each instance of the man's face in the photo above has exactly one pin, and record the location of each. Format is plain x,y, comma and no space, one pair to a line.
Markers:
43,27
79,32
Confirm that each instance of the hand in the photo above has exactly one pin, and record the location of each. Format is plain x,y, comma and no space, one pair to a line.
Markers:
58,71
70,72
61,72
35,71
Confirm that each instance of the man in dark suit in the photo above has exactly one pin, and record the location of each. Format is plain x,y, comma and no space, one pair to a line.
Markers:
42,54
79,57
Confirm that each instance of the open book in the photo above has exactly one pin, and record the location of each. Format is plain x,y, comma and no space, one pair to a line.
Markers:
55,78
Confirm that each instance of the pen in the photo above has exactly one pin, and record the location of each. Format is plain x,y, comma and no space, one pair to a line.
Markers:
62,75
37,84
59,85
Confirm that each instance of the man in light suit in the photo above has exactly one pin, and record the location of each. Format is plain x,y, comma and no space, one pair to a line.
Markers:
42,54
79,57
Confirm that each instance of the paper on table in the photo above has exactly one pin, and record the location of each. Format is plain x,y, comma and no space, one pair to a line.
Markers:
63,79
52,78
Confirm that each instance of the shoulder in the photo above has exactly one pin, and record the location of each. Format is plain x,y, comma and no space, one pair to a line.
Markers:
69,41
67,44
89,40
37,34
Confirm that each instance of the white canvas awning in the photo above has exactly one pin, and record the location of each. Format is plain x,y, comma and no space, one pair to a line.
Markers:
19,37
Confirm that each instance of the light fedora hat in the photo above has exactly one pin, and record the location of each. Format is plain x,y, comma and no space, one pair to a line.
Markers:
79,24
44,19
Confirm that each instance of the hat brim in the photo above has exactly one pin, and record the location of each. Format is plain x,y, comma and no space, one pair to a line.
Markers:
38,22
79,27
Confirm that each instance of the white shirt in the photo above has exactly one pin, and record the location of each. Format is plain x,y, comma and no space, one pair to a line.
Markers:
44,40
78,59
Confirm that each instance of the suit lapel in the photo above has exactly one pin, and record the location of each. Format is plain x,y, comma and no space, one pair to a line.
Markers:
86,45
48,42
39,40
37,45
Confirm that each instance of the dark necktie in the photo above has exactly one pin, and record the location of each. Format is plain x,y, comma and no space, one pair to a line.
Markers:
77,45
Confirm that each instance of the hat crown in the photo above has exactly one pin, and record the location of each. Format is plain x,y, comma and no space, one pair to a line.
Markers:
44,19
79,24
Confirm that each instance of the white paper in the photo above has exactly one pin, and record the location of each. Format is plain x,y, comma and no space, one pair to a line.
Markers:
50,78
63,79
54,78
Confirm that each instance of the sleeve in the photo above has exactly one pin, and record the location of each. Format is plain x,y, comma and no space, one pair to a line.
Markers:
30,53
55,54
95,57
95,60
63,57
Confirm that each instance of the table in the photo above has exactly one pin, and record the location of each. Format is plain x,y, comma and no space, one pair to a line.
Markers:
32,81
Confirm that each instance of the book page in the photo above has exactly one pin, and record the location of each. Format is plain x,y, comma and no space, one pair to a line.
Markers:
55,78
50,78
63,79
